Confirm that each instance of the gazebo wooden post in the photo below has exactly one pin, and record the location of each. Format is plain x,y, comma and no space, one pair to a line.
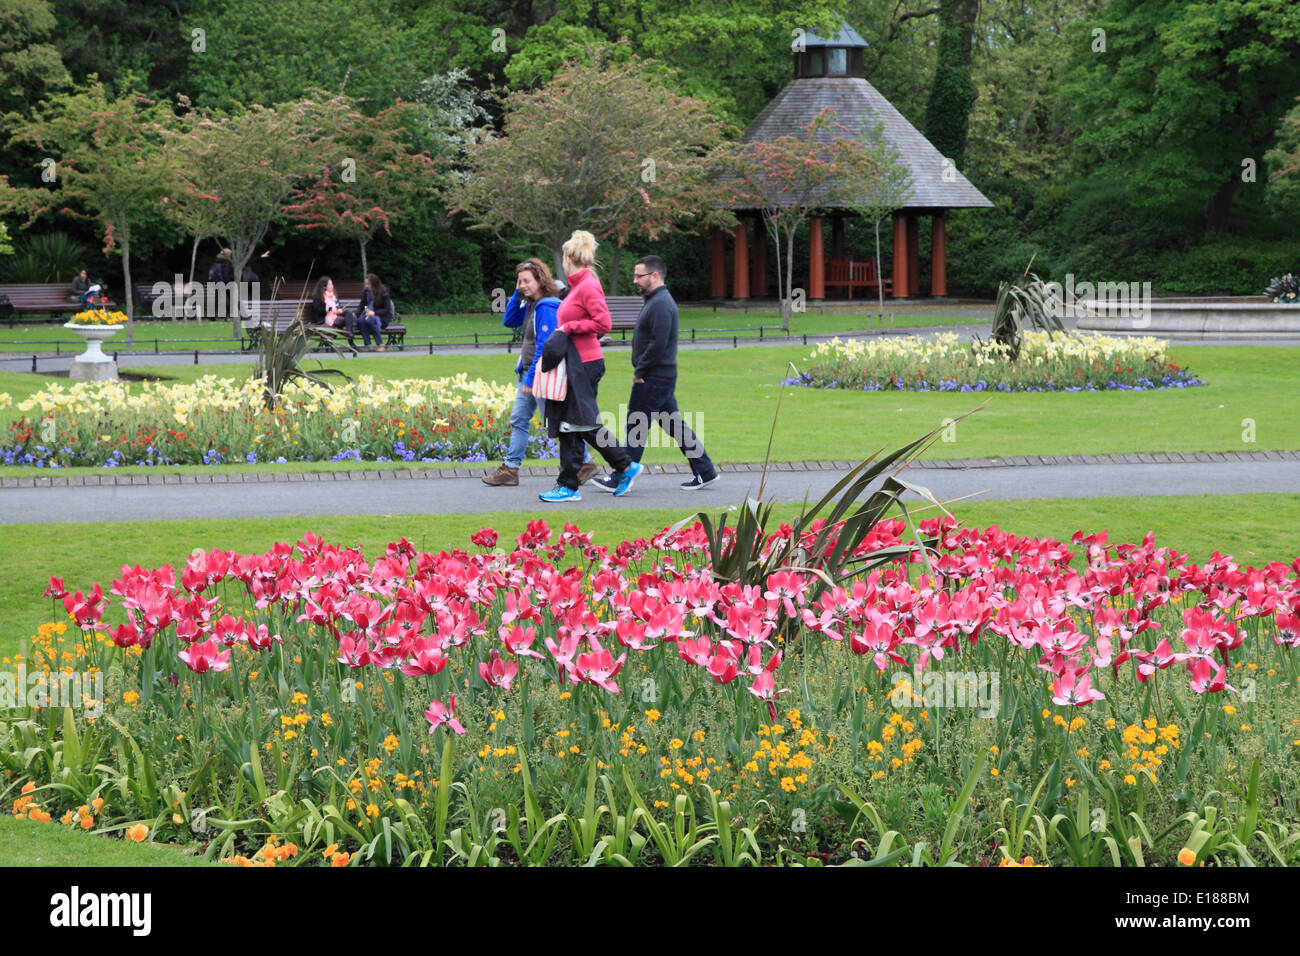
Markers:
718,272
759,284
913,255
816,260
740,263
900,283
939,255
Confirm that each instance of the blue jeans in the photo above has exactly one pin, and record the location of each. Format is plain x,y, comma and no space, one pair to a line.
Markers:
521,416
653,402
370,325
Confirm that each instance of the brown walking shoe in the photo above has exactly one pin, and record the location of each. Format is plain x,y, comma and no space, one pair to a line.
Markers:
585,472
502,476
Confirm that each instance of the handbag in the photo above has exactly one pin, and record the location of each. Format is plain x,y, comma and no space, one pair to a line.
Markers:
552,385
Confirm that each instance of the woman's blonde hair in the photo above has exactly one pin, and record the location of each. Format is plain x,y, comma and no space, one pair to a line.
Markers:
581,249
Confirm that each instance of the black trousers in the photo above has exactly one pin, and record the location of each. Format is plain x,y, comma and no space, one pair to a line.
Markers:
653,402
571,443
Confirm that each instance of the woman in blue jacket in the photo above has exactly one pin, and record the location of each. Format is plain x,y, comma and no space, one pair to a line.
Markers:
533,307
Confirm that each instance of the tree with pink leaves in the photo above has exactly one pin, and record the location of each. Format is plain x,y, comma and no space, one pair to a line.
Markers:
793,176
376,175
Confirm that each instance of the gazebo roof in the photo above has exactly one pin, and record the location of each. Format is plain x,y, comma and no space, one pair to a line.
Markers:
858,107
846,36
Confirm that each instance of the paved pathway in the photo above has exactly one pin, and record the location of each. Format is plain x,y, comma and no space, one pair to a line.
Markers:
111,497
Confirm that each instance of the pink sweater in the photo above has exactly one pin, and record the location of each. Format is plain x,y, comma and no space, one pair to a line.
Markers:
583,315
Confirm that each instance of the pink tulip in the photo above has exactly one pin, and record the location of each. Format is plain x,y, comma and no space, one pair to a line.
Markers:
202,657
496,672
426,660
437,715
1074,687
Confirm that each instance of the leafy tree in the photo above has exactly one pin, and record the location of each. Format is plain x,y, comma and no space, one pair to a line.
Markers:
1184,92
886,192
947,115
377,180
902,53
29,66
1020,125
195,161
607,147
451,112
6,249
1284,166
108,166
793,176
285,49
249,165
127,44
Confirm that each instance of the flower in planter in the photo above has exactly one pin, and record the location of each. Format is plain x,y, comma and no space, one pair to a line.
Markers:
99,317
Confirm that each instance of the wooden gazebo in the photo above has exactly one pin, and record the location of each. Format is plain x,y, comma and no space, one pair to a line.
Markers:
828,73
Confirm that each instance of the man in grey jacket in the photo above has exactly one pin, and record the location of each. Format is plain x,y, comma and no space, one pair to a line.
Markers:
654,378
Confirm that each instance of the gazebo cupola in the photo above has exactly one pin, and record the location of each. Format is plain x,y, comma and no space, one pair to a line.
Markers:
841,55
828,73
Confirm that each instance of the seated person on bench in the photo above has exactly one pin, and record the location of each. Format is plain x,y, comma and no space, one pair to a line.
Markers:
374,312
323,309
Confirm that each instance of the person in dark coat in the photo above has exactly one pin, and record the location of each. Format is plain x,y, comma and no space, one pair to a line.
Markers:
373,313
583,317
222,270
654,378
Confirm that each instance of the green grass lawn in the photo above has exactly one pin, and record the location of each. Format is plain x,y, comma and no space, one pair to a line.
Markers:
25,843
1255,529
218,335
732,394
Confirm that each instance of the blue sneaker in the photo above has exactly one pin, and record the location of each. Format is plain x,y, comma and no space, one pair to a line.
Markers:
625,479
561,493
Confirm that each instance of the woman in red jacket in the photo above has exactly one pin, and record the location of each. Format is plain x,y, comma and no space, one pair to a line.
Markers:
583,316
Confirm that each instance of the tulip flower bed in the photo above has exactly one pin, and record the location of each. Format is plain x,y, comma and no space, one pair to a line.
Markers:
1062,362
551,700
220,420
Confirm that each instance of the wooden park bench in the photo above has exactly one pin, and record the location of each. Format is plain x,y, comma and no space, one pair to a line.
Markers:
42,300
853,274
623,312
280,314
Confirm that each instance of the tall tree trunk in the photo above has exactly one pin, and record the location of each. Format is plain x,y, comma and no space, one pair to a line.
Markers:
365,266
125,230
947,114
184,308
613,275
787,308
240,253
559,266
1219,207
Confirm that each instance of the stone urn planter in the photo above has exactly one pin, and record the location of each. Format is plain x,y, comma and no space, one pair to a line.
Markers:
93,365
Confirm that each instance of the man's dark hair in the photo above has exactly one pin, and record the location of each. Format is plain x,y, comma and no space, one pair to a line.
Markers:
654,264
